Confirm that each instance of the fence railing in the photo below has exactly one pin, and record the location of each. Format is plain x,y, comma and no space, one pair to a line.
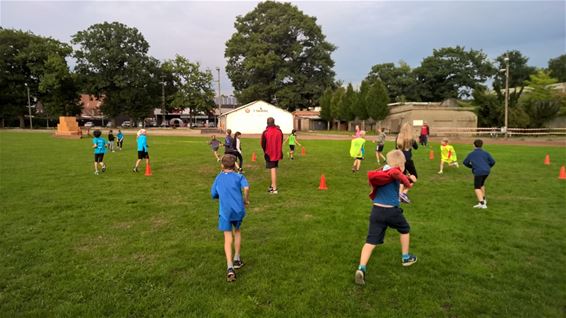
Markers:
497,131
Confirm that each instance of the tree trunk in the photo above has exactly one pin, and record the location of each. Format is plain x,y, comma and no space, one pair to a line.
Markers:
364,124
22,121
327,124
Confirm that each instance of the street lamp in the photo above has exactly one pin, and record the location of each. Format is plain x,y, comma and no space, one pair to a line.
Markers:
29,107
506,59
163,97
219,99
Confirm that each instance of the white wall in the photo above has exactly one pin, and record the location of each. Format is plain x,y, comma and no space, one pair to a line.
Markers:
253,119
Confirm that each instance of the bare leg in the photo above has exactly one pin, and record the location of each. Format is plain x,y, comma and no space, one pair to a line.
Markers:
237,242
483,191
405,239
441,166
274,178
377,156
228,247
138,163
366,253
95,166
479,194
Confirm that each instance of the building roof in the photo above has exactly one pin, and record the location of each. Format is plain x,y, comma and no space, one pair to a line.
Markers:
307,114
250,104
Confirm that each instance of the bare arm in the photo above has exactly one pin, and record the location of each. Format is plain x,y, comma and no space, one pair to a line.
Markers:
247,195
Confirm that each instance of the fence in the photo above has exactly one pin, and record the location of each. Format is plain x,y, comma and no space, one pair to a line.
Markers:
497,131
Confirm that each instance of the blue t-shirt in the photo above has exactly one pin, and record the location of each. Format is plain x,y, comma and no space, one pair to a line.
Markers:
228,188
120,135
480,161
100,145
142,143
388,194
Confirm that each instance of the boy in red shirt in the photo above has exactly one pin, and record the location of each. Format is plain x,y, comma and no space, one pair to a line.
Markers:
272,144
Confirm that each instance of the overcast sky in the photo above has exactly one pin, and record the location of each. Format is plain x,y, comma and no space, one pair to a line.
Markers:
366,33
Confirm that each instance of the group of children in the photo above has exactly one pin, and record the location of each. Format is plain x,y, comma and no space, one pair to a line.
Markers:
100,145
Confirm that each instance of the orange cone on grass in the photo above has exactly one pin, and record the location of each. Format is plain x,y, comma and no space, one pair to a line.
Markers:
547,160
562,174
322,185
303,151
148,170
254,158
431,155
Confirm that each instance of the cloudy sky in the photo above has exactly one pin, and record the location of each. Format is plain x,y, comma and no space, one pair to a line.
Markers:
366,33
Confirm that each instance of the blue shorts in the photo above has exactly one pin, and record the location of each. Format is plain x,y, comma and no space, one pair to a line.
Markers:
226,225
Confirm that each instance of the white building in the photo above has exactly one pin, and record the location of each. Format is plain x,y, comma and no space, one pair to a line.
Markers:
252,118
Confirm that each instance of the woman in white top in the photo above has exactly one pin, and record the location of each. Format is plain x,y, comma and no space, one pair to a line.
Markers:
238,150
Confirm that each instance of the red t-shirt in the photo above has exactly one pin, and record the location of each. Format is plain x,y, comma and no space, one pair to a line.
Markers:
272,143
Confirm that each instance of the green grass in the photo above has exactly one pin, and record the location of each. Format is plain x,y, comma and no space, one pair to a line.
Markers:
125,245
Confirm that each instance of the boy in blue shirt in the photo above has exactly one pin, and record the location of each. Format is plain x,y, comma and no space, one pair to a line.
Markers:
480,162
142,149
99,145
120,137
387,213
228,187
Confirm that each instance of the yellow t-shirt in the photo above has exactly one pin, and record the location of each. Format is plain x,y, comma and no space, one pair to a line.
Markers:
448,154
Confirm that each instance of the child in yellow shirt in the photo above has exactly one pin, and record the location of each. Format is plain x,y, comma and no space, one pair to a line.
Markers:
447,155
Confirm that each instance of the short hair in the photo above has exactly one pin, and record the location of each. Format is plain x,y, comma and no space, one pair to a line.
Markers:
395,158
229,162
478,143
293,131
229,131
237,134
445,139
97,133
270,121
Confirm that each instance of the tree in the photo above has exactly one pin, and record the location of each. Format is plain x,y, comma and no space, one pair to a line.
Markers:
38,62
336,102
399,81
542,103
519,72
111,61
377,100
452,72
58,88
346,112
280,53
557,68
193,87
325,102
360,108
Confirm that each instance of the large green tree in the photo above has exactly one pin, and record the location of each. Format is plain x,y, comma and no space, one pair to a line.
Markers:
325,102
337,102
193,86
278,52
346,110
542,103
377,100
39,62
452,72
557,68
519,72
400,81
112,60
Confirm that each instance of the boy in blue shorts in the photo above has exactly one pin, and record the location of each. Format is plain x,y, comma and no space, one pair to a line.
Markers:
142,149
99,145
480,162
227,187
387,213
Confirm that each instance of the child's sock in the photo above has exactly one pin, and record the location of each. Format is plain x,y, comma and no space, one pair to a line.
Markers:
405,256
230,265
237,257
362,268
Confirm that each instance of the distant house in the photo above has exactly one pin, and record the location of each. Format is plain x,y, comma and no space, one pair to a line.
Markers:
251,118
308,120
91,107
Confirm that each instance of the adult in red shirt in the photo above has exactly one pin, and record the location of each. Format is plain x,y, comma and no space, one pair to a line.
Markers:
272,144
425,132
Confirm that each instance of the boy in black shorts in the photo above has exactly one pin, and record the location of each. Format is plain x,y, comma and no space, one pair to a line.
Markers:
480,162
387,213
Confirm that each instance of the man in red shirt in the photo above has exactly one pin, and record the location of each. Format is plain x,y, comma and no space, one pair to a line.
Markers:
272,144
425,132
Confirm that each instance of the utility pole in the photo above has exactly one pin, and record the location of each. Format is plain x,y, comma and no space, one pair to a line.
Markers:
163,97
219,99
506,59
29,108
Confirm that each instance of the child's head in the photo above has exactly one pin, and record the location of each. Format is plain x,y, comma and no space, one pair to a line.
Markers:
213,137
97,133
119,130
228,132
444,141
362,133
396,158
293,131
229,162
110,131
404,140
478,143
237,134
382,129
357,127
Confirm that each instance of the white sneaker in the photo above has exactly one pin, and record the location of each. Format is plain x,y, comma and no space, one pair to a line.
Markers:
440,172
480,206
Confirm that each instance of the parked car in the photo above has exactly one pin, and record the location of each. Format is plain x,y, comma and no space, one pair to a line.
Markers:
109,124
126,123
89,124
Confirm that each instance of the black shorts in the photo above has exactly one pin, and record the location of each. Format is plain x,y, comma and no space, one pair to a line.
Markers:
479,181
270,164
143,155
381,218
410,168
98,157
292,147
215,148
379,148
359,158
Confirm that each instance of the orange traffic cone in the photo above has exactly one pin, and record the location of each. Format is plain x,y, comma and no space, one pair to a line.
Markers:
431,155
253,157
562,174
547,160
322,185
303,151
148,170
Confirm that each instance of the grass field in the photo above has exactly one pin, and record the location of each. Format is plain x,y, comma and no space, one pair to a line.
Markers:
120,244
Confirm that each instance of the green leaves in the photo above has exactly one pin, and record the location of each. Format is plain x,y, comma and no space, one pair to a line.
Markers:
279,53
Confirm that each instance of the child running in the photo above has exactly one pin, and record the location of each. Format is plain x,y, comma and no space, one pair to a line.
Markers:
99,145
214,145
227,187
357,151
405,142
386,212
142,149
292,142
120,137
380,141
447,155
480,162
238,151
111,141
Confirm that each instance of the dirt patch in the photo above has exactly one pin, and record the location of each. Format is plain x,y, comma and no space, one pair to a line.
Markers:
158,222
89,244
